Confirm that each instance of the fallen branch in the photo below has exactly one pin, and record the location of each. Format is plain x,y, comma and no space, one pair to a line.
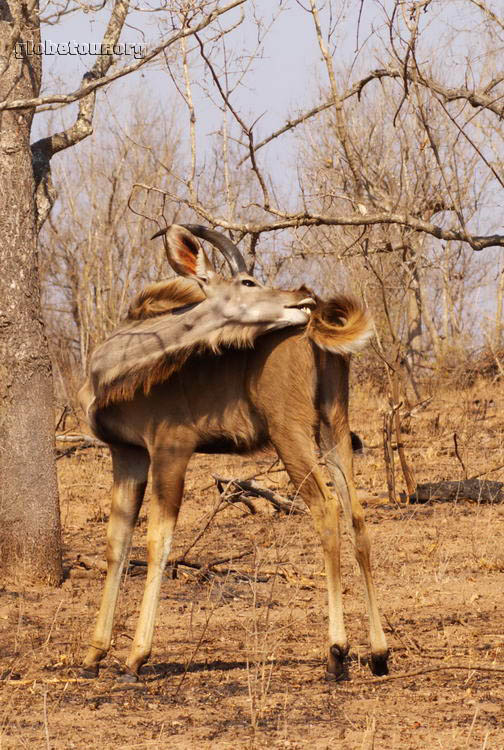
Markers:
79,439
90,563
246,487
479,490
81,443
261,473
223,486
207,569
210,567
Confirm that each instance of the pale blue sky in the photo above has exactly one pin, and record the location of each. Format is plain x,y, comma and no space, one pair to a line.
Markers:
285,81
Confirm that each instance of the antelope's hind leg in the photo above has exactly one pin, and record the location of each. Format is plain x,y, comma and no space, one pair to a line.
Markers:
130,468
337,448
301,465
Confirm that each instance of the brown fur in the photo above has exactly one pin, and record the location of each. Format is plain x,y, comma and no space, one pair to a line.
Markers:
124,387
145,377
157,299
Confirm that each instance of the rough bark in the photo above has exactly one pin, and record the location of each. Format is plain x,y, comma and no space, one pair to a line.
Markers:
30,544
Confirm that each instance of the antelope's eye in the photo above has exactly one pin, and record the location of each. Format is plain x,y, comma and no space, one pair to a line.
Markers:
248,282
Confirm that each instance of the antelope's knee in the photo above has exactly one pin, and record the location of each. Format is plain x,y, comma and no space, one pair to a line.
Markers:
361,537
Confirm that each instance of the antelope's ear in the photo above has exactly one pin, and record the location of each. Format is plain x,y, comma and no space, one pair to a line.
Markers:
185,254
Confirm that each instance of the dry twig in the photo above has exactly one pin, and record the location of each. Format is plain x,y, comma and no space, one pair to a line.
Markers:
426,670
251,488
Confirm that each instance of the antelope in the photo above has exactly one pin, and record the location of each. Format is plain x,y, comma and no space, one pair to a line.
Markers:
215,365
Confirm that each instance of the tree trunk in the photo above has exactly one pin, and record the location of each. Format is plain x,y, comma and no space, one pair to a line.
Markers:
498,312
429,323
414,311
30,544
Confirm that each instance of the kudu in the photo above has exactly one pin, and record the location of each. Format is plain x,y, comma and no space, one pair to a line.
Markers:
201,366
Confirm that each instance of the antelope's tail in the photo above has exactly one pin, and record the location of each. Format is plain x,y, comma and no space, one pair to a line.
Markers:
341,325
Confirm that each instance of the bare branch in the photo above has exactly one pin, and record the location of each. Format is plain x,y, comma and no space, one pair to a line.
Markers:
340,121
83,125
247,131
53,18
307,219
477,98
44,149
93,85
244,487
473,144
192,119
493,17
354,90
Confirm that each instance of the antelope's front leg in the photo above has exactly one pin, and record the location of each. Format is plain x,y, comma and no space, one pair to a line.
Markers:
168,471
130,466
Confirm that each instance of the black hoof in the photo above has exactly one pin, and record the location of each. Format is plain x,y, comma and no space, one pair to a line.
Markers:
379,666
337,666
127,677
341,676
89,673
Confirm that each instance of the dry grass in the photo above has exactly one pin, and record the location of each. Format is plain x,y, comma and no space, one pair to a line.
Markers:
239,663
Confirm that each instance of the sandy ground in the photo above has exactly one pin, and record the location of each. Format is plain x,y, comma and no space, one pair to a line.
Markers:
238,658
